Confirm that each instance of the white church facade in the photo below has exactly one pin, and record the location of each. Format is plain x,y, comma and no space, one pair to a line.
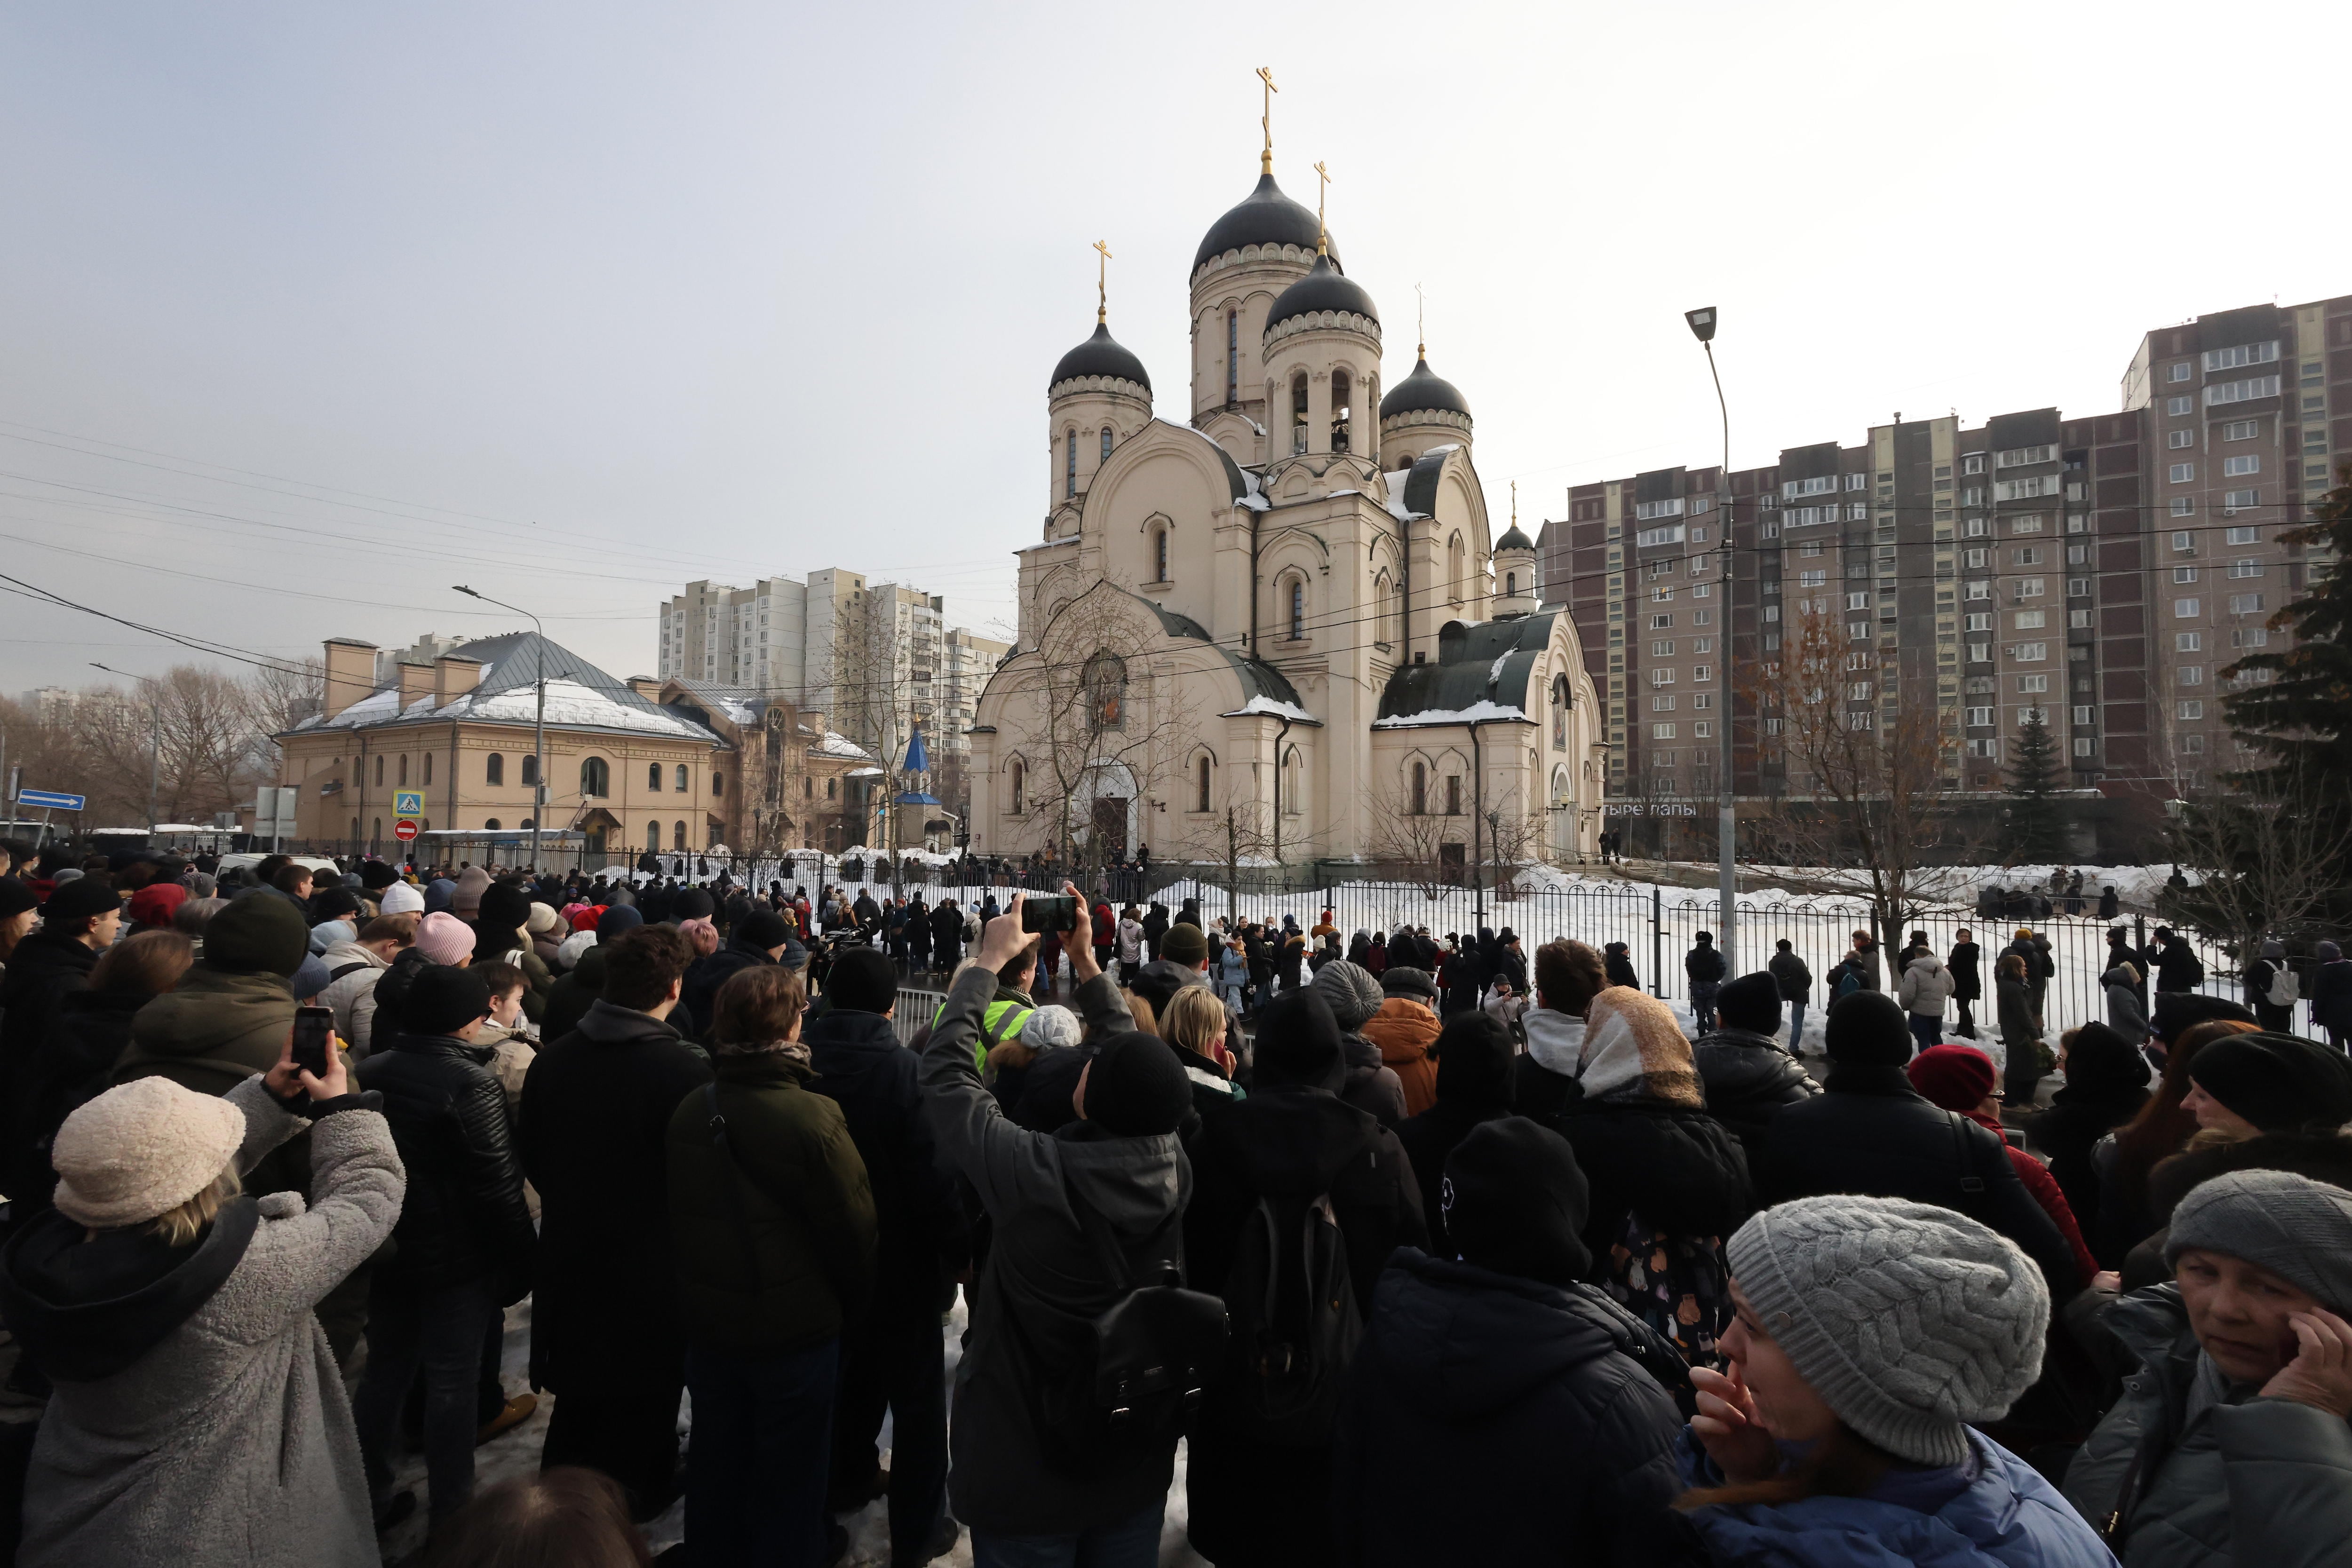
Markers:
1283,618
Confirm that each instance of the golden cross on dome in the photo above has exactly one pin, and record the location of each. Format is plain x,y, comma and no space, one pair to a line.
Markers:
1322,234
1266,159
1102,283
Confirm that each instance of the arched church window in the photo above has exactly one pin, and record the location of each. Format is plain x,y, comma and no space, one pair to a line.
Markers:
677,835
1159,555
1297,609
1232,357
1299,411
379,772
1105,444
596,778
490,825
1019,779
531,769
1201,802
1510,584
1457,568
685,779
494,768
653,776
1070,465
1421,789
1339,386
1561,698
428,767
1106,689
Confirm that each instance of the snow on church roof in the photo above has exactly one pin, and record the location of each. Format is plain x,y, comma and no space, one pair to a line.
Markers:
1476,713
1270,707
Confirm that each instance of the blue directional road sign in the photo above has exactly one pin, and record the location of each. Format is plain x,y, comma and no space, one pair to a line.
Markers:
51,799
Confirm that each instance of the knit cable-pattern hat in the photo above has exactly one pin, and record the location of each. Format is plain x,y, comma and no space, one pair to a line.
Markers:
1909,1320
141,1149
1351,990
2298,1228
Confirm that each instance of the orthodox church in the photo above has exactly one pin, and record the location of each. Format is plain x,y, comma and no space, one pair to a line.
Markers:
1282,618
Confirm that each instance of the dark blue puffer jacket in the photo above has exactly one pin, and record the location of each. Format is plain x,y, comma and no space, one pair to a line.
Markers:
1492,1420
2007,1517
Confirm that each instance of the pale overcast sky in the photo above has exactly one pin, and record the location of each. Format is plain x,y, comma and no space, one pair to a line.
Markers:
577,302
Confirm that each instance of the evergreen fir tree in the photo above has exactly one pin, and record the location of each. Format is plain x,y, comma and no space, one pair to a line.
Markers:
2037,832
2294,705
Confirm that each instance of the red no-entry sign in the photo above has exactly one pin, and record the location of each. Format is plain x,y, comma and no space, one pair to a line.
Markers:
404,830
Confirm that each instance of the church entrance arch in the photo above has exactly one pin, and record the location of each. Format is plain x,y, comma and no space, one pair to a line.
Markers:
1106,809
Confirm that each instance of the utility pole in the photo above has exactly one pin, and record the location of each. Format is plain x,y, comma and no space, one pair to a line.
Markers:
1702,325
537,726
155,745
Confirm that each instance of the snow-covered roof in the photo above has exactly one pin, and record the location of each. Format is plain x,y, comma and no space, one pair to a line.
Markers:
863,773
1477,712
579,694
836,743
1270,707
1395,503
1252,494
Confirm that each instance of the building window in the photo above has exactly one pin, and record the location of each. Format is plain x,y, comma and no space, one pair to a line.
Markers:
2190,675
833,792
531,769
1298,412
2184,609
2242,430
2245,604
379,774
491,826
494,768
1070,465
677,835
2188,641
2179,407
2182,473
2085,744
2240,355
2180,438
1105,444
684,780
2184,574
1298,610
428,767
1420,789
718,783
2179,373
2237,467
1662,732
653,777
1453,794
1159,555
1233,356
2242,536
2191,707
2031,620
2033,686
595,779
1201,802
2245,569
2239,500
1510,584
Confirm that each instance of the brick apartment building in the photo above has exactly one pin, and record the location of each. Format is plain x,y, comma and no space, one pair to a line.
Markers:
2100,569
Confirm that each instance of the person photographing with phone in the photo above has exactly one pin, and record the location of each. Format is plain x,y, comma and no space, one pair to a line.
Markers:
198,1416
1086,1223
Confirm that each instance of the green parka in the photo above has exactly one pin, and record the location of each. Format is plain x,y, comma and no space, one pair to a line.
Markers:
773,1233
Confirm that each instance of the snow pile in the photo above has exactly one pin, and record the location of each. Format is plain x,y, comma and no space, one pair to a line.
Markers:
1479,712
836,743
1268,707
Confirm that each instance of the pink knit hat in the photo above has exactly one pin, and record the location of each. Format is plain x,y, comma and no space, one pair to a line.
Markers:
445,938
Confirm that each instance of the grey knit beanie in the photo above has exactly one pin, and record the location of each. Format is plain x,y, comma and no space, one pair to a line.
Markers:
1909,1320
2298,1228
1351,990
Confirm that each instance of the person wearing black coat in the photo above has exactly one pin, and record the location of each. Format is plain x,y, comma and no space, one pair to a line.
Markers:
594,1134
760,938
892,1358
1474,1053
2109,904
1747,1075
1968,978
1872,1134
1500,1411
1291,1142
2176,963
78,922
89,1031
1155,927
2106,1083
1617,959
462,1250
947,935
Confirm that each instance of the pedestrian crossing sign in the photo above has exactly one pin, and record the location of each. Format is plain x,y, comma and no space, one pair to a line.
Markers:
408,803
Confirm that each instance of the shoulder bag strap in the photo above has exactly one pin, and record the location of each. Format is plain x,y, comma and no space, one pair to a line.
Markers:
1972,1186
733,1173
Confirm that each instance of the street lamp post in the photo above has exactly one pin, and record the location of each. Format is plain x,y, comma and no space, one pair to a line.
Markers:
538,723
1701,326
154,744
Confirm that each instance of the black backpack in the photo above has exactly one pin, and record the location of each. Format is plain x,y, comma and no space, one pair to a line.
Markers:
1125,1397
1294,1324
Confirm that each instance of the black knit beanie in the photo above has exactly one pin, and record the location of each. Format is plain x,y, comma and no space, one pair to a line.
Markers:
1135,1088
1515,1202
84,896
2177,1011
763,929
1299,1041
1474,1062
862,980
2278,1082
692,904
1751,1002
443,1000
1867,1029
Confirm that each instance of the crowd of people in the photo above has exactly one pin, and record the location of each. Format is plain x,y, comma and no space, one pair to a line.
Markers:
1427,1251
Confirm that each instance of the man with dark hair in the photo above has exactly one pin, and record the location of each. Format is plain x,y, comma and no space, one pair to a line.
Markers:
594,1125
893,1357
294,880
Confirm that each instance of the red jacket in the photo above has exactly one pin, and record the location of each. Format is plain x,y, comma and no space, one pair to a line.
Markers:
2045,1189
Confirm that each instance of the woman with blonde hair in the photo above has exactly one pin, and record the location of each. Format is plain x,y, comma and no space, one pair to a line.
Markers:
198,1416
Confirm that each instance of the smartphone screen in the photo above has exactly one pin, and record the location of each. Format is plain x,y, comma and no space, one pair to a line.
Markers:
314,1036
1049,912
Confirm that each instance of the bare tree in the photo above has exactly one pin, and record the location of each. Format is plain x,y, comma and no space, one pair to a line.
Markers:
1866,787
1409,846
1234,840
1087,719
1509,836
2269,857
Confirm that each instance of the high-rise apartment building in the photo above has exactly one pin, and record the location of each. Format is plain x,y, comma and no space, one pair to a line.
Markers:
874,660
2095,571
